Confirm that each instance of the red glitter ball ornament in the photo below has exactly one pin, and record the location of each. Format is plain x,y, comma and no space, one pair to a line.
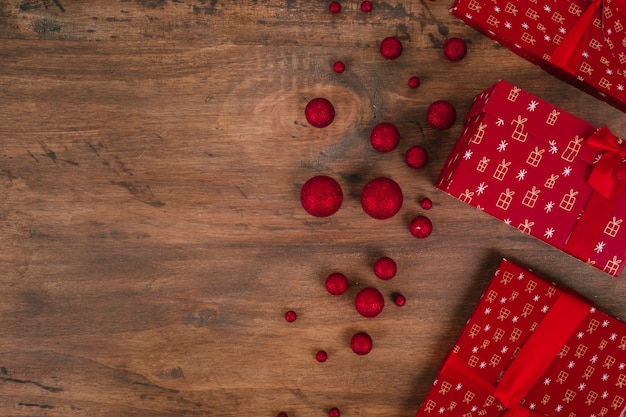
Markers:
334,412
366,6
321,196
399,300
385,268
455,49
291,316
334,7
319,112
421,227
336,283
384,137
391,47
426,203
441,115
339,67
369,302
361,343
416,157
321,356
414,82
381,198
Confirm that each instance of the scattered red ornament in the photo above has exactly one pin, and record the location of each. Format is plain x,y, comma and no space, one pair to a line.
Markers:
336,283
339,67
426,203
455,49
366,6
381,198
421,227
384,137
334,7
334,412
441,115
369,302
321,356
416,157
319,112
391,48
361,343
321,196
414,82
281,414
291,316
385,268
399,300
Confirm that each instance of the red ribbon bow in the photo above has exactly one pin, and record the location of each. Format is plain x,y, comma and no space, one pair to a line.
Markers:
610,167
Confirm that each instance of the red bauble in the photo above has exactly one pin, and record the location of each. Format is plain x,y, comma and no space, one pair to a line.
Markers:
334,7
339,67
384,137
426,203
441,115
385,268
321,196
321,356
361,343
291,316
281,414
416,157
381,198
336,283
319,112
399,300
369,302
366,6
455,49
414,82
334,412
421,227
391,47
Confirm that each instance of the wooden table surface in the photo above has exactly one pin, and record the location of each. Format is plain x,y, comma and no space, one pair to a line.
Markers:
152,238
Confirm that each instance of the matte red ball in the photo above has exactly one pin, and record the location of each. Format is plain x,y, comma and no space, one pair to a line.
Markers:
441,115
384,137
385,268
455,49
319,112
399,300
366,6
334,7
381,198
336,283
414,82
291,316
369,302
334,412
321,196
421,227
361,343
321,356
416,157
281,414
339,67
391,47
426,203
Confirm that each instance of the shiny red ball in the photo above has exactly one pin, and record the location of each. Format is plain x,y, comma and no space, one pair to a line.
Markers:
384,137
426,203
321,196
369,302
361,343
399,300
391,48
334,7
441,115
339,67
291,316
334,412
421,227
366,6
321,356
414,82
319,112
336,283
381,198
455,49
385,268
416,157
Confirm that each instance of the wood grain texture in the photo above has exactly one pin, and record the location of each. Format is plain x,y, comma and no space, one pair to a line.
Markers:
152,154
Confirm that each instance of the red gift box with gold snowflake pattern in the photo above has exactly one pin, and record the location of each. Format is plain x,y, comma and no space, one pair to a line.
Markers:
580,41
544,171
532,349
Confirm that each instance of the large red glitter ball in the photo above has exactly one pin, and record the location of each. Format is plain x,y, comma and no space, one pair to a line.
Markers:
290,316
384,137
334,412
391,47
421,227
321,196
385,268
339,67
369,302
361,343
441,115
321,356
334,7
455,49
416,157
381,198
319,112
366,6
414,82
336,283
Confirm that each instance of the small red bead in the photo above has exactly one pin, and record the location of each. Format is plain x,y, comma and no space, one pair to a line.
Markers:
384,137
281,414
319,112
421,227
336,283
385,268
441,115
369,302
455,49
399,300
291,316
334,412
334,7
426,203
416,157
361,343
391,47
321,356
381,198
414,82
321,196
339,67
366,6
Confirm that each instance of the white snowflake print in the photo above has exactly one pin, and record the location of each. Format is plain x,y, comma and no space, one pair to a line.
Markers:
549,206
594,359
521,174
475,349
487,327
609,32
482,365
605,323
622,366
581,387
570,365
553,148
503,300
502,146
481,188
609,71
562,30
525,25
580,335
504,349
558,408
585,54
547,38
508,25
567,171
487,311
520,276
442,410
605,395
507,221
545,309
474,409
469,16
592,310
613,337
547,8
531,406
532,106
500,122
547,381
549,232
515,319
458,387
496,9
599,247
620,87
467,155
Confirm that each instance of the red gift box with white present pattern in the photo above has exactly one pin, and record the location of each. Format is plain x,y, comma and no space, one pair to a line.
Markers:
580,41
532,349
544,171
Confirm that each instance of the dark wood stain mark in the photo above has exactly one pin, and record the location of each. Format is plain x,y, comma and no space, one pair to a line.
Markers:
151,4
143,191
173,373
35,383
204,318
44,25
36,405
146,384
210,9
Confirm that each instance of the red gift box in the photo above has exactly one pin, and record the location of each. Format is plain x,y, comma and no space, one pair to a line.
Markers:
580,41
532,349
544,171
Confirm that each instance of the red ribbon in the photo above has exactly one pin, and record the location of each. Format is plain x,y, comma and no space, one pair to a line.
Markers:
609,169
531,362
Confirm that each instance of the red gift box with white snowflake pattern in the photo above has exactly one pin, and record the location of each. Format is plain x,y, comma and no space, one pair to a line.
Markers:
532,349
582,42
544,171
